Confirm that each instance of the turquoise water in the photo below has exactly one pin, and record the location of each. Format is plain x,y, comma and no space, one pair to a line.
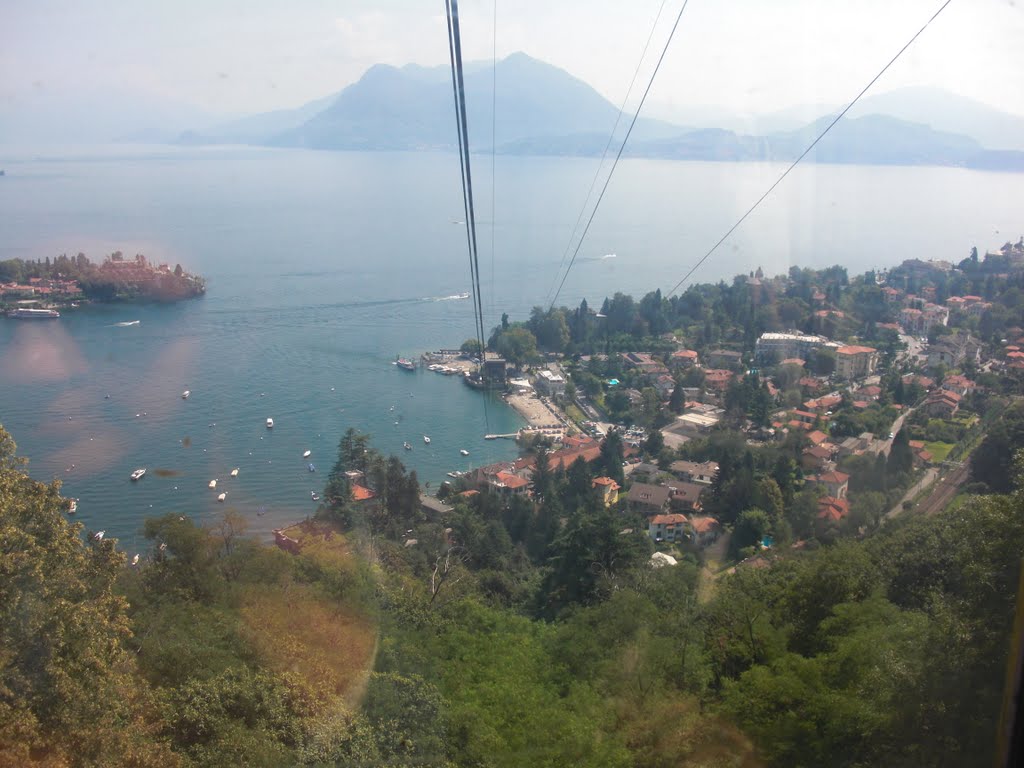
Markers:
322,267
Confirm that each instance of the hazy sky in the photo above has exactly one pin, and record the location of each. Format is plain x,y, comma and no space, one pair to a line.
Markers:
746,56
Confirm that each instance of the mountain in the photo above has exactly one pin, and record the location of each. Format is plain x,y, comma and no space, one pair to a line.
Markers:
412,108
871,140
942,110
945,111
259,128
544,110
876,140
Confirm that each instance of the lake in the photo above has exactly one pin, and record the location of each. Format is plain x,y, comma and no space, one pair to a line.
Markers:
322,267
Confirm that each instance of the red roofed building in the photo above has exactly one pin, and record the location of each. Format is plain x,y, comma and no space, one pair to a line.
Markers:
833,510
578,441
717,379
817,437
942,403
957,383
507,484
705,529
854,362
815,458
668,527
871,392
682,358
835,482
608,489
362,493
805,417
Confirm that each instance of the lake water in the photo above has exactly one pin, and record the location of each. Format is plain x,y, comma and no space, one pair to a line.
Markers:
322,267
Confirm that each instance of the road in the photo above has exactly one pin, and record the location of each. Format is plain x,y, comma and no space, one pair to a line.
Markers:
914,350
941,492
920,485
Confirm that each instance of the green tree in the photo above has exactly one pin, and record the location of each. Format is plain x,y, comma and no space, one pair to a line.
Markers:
901,457
611,456
471,347
517,345
67,693
752,526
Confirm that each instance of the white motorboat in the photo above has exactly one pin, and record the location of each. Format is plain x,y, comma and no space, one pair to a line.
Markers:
185,394
426,439
222,496
213,484
98,535
407,446
73,506
270,423
464,452
138,473
307,454
135,560
234,472
314,496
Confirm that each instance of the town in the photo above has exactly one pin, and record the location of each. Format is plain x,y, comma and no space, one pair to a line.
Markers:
736,422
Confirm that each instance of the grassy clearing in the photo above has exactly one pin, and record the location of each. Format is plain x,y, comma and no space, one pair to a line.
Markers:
939,451
574,414
297,630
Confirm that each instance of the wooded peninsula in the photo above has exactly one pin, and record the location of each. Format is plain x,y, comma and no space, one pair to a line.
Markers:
66,280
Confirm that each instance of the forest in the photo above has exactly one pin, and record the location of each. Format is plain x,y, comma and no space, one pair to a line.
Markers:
507,633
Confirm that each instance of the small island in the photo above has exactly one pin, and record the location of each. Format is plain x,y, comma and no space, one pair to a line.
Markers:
68,282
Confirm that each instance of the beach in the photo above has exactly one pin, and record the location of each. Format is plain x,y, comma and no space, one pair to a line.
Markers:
538,414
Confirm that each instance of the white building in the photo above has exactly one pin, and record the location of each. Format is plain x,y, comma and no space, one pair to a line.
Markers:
773,347
550,383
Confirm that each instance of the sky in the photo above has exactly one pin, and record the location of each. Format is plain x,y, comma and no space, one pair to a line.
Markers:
746,57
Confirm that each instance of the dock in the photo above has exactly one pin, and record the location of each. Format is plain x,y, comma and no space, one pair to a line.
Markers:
510,436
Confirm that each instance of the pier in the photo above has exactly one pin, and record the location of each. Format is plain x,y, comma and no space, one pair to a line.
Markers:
510,436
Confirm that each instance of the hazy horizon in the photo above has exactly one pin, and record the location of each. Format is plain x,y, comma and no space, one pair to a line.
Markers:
231,59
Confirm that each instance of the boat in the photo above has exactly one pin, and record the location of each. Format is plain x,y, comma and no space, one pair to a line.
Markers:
138,473
311,467
98,535
455,474
405,364
185,394
426,439
270,423
213,484
407,446
306,454
222,496
464,452
234,472
135,560
23,313
314,496
72,506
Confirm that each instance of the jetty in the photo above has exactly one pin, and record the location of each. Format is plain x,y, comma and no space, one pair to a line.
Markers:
510,436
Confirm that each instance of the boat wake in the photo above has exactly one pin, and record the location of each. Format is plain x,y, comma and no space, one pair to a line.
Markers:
126,323
453,297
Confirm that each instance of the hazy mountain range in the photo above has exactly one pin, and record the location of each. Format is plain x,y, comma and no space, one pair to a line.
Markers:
544,110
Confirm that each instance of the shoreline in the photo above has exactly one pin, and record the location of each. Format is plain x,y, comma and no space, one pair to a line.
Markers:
539,415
